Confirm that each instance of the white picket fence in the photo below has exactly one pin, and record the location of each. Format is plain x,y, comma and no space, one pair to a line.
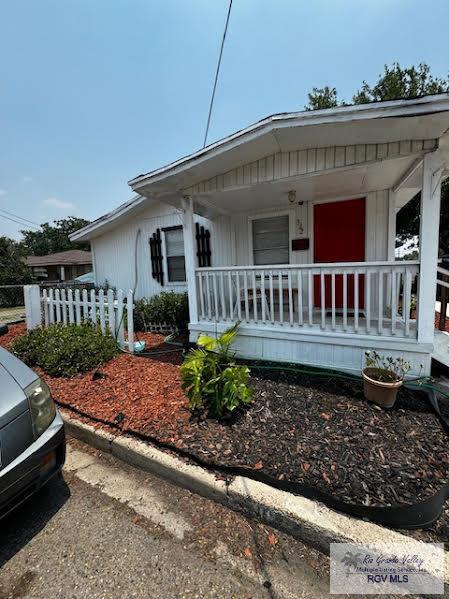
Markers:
111,311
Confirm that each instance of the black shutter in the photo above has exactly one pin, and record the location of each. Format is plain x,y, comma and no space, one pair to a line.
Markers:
203,246
156,257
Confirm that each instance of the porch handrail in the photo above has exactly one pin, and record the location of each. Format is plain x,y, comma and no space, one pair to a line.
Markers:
317,265
357,297
443,283
443,271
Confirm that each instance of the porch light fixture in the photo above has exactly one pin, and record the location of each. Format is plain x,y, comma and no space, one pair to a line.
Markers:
292,196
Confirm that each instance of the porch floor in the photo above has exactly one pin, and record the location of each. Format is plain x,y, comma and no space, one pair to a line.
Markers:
352,326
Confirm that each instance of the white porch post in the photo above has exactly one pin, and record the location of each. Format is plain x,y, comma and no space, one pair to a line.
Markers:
428,246
391,239
190,256
391,243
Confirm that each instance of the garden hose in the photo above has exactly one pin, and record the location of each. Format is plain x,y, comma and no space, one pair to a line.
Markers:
166,340
415,384
418,515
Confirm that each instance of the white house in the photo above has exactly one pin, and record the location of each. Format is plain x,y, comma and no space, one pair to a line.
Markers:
289,227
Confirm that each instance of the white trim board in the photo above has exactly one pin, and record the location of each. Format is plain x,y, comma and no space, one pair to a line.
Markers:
328,351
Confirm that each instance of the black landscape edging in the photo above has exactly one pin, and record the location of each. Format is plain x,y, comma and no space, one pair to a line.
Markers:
408,516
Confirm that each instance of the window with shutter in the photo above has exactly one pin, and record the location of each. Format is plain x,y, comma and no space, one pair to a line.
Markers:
203,251
157,271
174,247
271,240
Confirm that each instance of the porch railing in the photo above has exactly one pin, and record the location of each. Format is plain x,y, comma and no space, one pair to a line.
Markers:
375,298
443,291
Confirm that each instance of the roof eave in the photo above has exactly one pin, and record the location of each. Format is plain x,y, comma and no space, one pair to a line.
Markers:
393,108
86,233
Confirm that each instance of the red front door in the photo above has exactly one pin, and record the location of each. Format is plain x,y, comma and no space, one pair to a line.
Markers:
339,236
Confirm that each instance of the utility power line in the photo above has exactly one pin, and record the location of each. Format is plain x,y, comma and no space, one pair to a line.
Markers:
18,221
20,217
216,74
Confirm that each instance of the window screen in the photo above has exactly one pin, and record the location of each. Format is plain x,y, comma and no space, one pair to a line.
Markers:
174,245
271,240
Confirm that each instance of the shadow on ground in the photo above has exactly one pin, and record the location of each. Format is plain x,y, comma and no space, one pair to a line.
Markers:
20,526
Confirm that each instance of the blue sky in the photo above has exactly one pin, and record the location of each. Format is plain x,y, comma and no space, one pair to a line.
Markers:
94,92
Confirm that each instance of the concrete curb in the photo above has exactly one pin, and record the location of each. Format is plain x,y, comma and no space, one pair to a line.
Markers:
306,520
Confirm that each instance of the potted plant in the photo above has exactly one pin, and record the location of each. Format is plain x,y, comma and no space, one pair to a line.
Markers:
382,377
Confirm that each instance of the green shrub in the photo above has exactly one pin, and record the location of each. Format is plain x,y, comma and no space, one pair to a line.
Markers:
168,307
210,377
65,350
11,298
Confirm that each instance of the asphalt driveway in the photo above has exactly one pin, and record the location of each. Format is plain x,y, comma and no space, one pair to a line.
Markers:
107,530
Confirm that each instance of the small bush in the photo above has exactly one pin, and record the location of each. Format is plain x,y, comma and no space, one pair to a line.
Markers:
65,350
168,307
11,298
211,379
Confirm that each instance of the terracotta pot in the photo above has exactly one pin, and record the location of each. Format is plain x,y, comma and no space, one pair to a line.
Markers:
379,392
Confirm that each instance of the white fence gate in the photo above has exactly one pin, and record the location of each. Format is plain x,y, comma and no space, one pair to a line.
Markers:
111,311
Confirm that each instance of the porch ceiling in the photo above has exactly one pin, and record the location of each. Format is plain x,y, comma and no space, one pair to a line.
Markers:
357,180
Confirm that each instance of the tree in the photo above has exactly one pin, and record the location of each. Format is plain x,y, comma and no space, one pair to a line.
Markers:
397,83
54,238
13,271
322,97
407,220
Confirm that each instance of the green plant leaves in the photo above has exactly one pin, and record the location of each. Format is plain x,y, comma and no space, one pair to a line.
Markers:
65,350
211,379
389,368
228,336
167,307
209,343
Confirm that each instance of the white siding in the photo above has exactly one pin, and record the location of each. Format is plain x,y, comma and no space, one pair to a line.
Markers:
222,240
301,162
237,231
298,229
114,251
376,226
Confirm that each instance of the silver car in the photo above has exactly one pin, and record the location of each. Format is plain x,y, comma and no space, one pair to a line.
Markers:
32,439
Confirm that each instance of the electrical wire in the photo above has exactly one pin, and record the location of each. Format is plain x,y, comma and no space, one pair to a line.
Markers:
216,74
18,222
20,217
136,270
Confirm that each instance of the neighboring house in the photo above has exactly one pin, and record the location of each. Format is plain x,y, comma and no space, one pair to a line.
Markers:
62,266
289,227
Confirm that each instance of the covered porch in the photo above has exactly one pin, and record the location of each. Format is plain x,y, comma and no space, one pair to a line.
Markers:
324,313
302,214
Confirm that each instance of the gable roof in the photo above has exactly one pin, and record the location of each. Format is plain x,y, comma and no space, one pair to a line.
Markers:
66,258
377,122
110,219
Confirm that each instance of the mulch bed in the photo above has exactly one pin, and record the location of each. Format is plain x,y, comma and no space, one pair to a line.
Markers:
317,431
14,330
